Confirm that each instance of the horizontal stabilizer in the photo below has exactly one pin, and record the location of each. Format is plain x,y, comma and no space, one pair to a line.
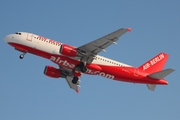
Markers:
162,74
151,87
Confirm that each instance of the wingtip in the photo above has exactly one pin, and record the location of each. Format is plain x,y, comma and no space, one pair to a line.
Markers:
129,29
77,91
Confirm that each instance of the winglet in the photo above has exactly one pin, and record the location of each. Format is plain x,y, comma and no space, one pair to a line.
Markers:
77,91
129,29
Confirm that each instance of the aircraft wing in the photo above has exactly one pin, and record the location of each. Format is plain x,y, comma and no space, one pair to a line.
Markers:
96,46
69,77
71,85
91,49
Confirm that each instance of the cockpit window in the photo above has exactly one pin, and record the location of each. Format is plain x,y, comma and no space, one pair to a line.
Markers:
18,33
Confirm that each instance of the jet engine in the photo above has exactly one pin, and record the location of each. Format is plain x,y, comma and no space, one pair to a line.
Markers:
69,51
52,72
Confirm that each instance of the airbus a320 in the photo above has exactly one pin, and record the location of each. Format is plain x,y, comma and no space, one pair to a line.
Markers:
73,61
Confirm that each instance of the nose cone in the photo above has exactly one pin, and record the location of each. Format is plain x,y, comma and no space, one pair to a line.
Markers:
7,38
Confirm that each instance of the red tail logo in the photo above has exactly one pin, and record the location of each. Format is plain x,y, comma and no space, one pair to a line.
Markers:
155,64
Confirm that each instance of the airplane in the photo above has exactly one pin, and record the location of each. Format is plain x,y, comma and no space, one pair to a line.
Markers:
74,61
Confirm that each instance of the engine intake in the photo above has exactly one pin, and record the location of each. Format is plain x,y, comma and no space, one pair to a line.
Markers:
52,72
69,51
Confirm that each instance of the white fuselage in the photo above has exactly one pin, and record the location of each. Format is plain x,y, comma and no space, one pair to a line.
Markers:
52,47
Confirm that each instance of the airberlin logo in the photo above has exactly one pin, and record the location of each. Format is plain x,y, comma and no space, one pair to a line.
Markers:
62,62
153,61
67,64
100,74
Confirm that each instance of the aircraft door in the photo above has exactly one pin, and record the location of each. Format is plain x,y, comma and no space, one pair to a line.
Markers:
29,37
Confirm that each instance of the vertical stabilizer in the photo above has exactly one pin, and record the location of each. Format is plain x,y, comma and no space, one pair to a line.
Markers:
156,64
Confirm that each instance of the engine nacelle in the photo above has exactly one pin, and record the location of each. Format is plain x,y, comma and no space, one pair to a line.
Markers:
52,72
69,51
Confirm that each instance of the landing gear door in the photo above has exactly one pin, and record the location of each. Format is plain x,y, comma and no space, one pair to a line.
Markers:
29,37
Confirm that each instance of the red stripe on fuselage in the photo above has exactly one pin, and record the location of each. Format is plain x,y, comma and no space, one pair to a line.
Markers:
125,74
131,74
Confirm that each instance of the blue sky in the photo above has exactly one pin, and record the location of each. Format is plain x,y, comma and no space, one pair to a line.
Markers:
27,94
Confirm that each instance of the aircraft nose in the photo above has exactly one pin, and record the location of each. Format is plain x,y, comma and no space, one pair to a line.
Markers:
7,38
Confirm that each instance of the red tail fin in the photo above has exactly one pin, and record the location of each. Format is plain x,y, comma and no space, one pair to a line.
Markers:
155,64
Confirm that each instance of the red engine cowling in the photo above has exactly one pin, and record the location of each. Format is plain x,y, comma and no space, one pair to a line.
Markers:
69,51
52,72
